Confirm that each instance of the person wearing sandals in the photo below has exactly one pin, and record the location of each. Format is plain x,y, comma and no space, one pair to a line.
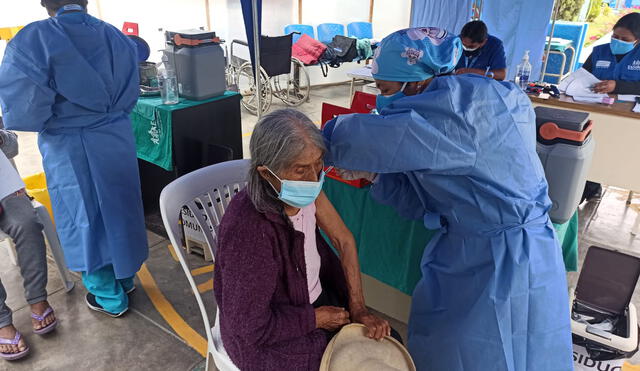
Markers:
74,79
19,221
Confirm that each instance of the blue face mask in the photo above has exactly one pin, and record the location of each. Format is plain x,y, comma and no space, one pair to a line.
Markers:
298,193
619,47
385,100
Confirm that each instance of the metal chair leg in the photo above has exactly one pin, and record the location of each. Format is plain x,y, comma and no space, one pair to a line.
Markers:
54,245
630,198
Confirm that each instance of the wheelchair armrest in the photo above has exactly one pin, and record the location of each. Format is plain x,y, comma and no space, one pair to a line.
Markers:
239,42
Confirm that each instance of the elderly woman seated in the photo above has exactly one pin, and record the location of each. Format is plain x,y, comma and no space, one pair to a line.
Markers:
281,291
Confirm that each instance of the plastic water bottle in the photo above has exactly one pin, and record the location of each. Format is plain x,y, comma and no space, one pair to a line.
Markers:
523,72
168,82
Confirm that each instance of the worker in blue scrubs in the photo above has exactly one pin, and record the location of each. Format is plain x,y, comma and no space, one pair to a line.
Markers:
459,153
618,65
483,53
74,79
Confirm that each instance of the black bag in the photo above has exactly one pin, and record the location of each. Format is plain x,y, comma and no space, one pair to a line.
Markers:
340,49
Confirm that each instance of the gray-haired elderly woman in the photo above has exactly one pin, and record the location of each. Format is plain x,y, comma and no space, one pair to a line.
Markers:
280,289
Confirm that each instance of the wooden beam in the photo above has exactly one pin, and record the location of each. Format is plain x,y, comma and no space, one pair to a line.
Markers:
208,13
299,11
371,11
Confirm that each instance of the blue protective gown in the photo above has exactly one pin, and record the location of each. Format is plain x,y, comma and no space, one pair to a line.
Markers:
74,79
493,293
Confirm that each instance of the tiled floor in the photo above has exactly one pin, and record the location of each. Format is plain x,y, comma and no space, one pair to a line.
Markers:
145,340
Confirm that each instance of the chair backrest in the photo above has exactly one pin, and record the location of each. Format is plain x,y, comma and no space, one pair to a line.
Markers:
275,54
326,31
207,193
302,28
130,28
360,30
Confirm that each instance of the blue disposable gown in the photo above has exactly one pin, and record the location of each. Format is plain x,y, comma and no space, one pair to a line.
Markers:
74,79
493,293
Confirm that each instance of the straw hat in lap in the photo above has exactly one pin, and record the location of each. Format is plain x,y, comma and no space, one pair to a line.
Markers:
352,350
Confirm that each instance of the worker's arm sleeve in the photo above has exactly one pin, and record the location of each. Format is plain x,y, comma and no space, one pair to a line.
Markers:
26,96
401,142
627,87
396,190
588,64
499,59
249,273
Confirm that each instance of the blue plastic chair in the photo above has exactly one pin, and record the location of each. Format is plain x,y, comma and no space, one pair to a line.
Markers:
326,31
302,28
360,30
574,31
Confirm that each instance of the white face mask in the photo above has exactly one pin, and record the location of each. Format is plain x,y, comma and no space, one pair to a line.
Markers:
467,49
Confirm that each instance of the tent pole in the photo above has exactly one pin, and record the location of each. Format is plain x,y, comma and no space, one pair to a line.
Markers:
299,11
371,11
207,10
256,49
556,10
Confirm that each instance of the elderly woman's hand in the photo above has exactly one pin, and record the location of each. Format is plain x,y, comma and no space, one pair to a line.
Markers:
378,328
331,318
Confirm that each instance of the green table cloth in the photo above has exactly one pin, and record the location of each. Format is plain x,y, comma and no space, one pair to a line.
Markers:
390,248
152,127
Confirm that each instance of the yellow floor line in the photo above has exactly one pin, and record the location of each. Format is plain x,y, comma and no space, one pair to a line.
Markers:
207,286
172,252
166,310
202,270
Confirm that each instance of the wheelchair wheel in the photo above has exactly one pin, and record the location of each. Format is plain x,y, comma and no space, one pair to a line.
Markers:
247,88
293,88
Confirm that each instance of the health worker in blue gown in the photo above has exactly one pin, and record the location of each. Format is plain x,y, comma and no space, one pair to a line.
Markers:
458,152
74,79
618,65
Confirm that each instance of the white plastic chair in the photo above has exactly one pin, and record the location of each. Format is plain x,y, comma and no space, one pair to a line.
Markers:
51,237
208,190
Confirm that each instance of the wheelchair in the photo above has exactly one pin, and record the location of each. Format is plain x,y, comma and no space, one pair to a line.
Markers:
281,76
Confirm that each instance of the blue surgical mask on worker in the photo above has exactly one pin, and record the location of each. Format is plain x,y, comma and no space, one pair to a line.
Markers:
298,193
619,47
385,100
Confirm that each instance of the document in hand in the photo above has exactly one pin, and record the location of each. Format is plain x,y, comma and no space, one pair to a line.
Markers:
579,85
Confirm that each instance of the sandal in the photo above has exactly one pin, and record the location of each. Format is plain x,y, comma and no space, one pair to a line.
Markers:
47,329
15,341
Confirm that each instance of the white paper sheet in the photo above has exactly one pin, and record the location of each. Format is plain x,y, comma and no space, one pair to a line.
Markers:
588,99
627,97
582,84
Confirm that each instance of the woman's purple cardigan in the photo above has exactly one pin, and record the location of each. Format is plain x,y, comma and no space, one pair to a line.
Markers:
260,286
